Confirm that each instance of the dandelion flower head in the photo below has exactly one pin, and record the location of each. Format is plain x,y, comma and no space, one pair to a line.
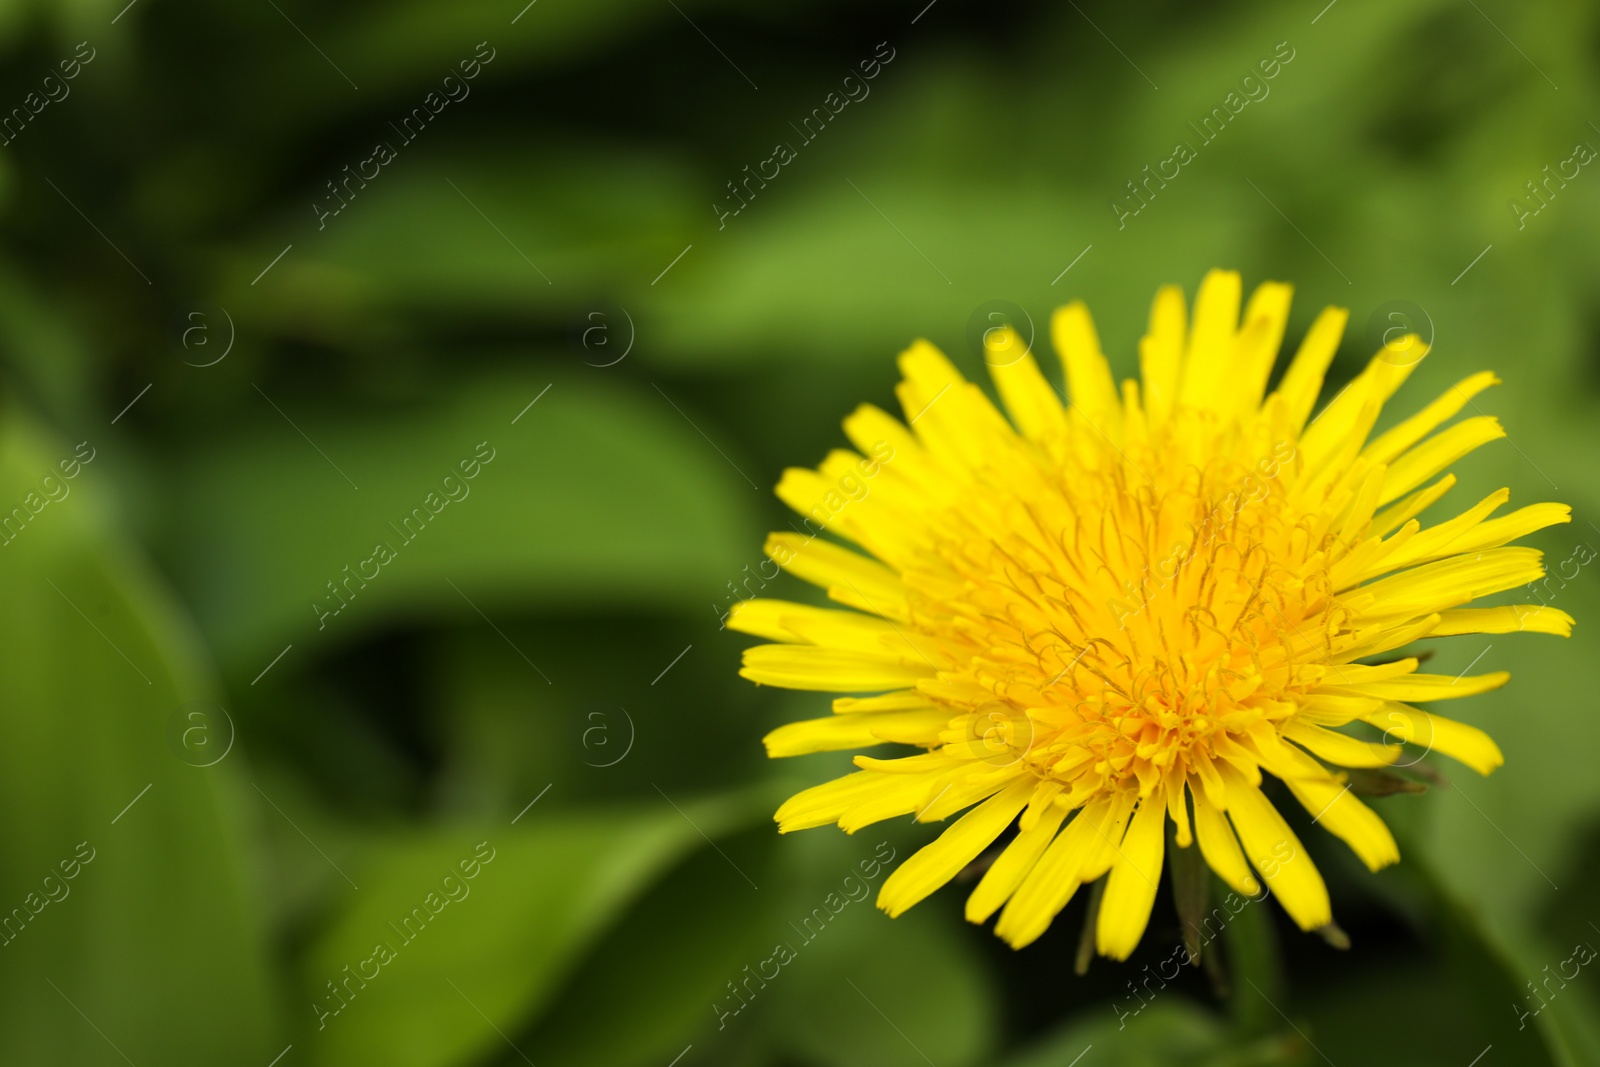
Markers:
1104,618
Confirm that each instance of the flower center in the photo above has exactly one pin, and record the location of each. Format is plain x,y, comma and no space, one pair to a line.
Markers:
1128,623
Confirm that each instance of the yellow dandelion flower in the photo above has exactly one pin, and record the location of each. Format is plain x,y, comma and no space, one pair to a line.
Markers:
1098,617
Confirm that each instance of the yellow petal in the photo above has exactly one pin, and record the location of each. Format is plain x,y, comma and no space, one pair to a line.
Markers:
951,416
1333,709
1414,545
897,794
1418,426
1014,864
1454,581
1371,640
977,784
1055,878
935,864
1435,733
1161,354
924,764
1507,619
1103,848
1348,674
824,506
1437,453
856,731
893,444
1277,853
827,669
1507,528
1265,317
1342,749
1220,847
823,804
928,371
1178,810
1303,380
1206,370
1433,686
1131,887
1346,421
1027,394
904,700
849,577
1402,512
1089,382
778,620
1335,809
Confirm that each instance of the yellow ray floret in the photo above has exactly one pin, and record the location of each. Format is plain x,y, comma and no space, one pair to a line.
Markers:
1108,610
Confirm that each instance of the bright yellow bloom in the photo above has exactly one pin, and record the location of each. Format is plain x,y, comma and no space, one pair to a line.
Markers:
1098,617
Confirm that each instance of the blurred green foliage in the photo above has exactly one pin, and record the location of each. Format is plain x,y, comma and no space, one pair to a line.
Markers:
542,671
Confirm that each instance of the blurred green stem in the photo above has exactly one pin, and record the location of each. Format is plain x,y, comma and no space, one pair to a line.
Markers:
1257,970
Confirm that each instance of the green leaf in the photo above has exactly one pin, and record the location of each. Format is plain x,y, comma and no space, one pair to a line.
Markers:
592,498
153,944
1169,1032
491,945
1462,997
892,992
670,962
503,235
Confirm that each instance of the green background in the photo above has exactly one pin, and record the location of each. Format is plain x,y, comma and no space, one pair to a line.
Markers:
552,638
